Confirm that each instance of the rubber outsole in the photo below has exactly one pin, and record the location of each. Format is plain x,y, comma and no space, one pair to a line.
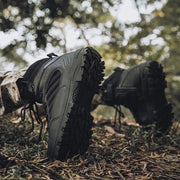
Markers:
158,110
77,131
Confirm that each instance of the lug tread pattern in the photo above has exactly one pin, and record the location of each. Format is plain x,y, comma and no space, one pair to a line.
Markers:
162,114
77,132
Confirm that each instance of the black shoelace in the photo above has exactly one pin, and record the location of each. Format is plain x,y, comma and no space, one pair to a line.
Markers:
32,111
120,114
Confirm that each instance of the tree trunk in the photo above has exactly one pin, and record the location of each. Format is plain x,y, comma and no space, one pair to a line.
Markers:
10,98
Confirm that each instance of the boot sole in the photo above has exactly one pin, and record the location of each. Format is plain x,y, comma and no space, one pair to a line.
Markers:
77,121
153,89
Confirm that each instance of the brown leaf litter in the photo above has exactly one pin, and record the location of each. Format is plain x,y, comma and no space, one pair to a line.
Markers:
131,153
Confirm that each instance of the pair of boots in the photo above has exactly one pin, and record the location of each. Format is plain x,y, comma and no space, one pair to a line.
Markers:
66,84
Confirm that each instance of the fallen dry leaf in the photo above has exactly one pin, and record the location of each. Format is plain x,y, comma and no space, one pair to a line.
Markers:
113,132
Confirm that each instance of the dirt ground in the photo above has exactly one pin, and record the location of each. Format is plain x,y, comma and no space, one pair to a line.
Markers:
131,153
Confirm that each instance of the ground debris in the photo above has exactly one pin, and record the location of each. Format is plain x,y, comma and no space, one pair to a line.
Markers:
131,153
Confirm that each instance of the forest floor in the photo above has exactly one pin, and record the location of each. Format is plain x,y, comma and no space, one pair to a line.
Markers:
131,153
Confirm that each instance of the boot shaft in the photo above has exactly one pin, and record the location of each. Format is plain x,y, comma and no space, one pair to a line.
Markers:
122,87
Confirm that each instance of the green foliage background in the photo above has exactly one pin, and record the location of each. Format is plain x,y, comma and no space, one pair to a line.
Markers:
156,36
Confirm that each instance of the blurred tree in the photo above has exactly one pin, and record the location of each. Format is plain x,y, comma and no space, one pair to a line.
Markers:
39,22
43,23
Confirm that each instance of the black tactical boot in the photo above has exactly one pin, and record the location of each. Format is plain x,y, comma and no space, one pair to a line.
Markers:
65,85
141,89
